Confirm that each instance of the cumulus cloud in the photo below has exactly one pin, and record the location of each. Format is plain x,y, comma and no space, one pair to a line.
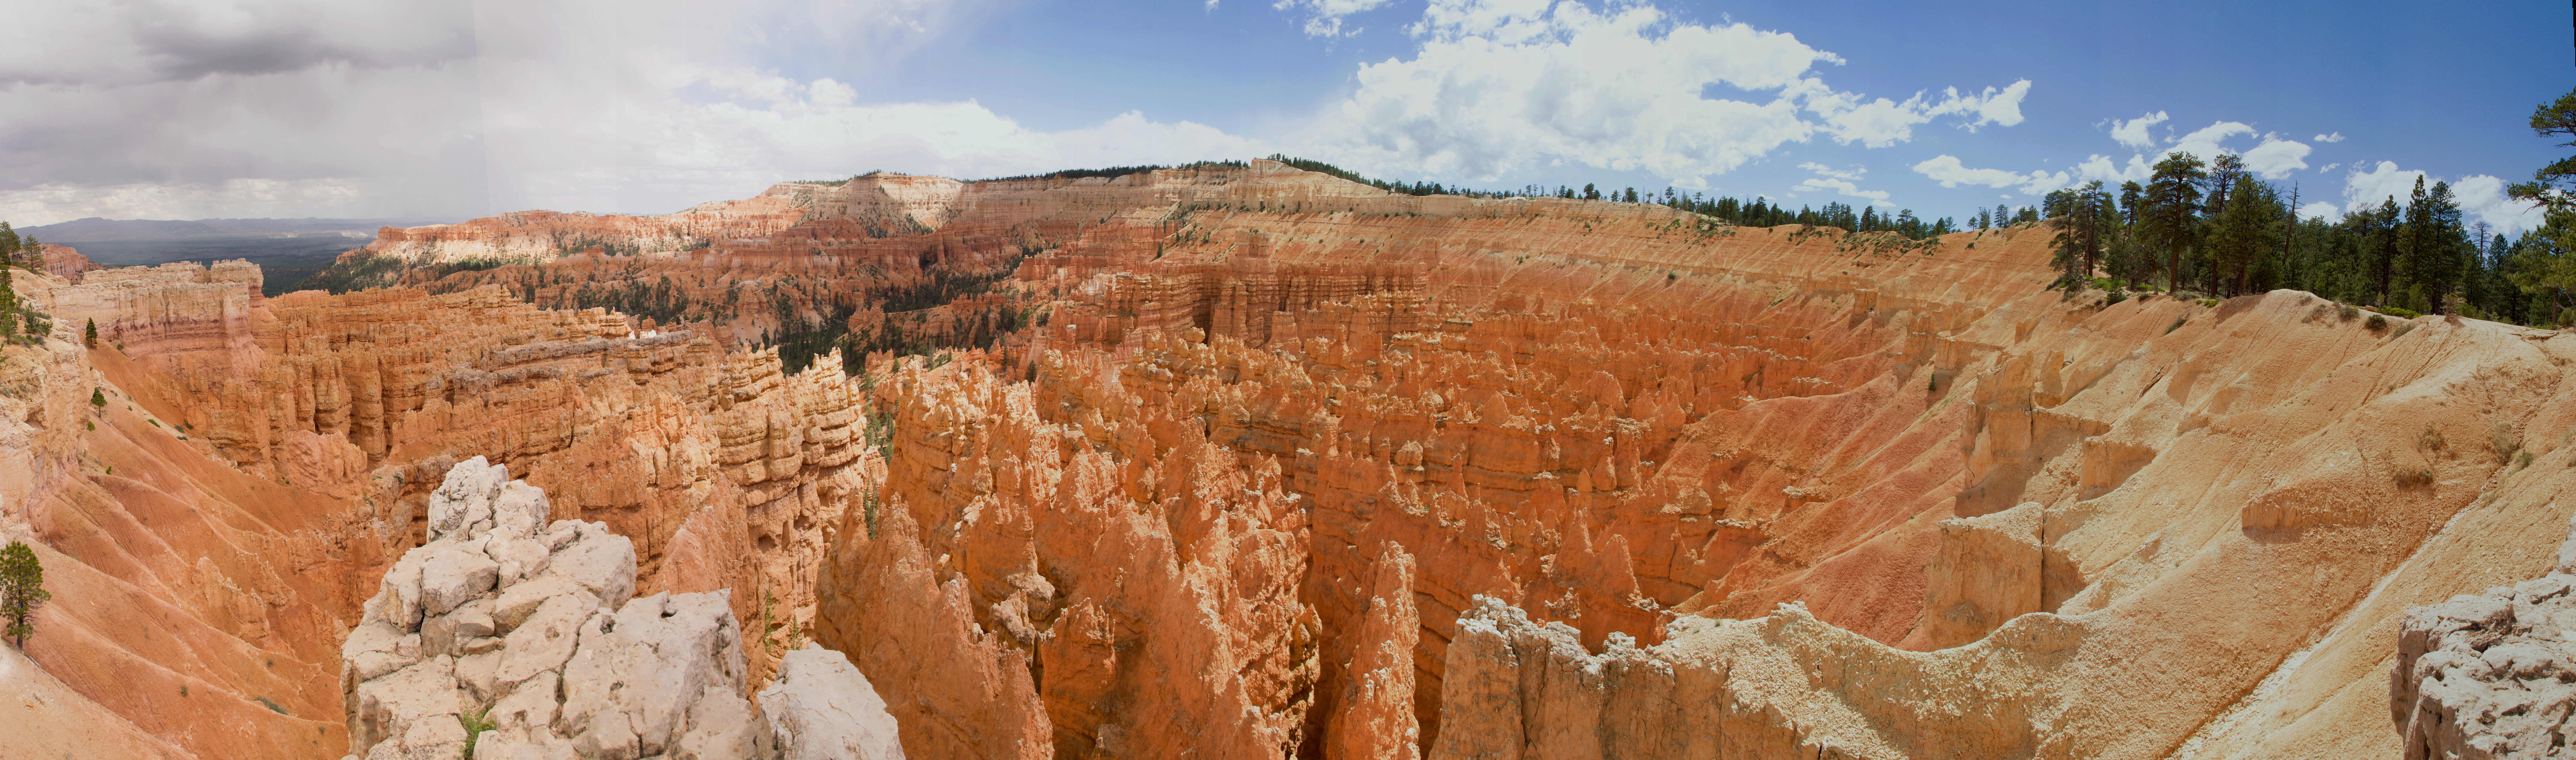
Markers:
1950,172
303,107
2481,197
2322,210
1324,17
2271,158
2275,158
1828,171
1503,85
1845,182
2133,132
1843,186
2330,138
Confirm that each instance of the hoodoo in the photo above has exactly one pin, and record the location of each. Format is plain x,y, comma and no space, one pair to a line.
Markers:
1261,462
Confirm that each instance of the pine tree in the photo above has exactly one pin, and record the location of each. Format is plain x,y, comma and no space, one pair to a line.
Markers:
8,308
2431,243
2172,197
2241,233
2547,119
22,590
89,335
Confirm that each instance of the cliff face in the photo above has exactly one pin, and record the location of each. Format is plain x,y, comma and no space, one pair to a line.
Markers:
1268,463
1326,446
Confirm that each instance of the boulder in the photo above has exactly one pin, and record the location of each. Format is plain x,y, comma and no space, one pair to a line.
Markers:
820,707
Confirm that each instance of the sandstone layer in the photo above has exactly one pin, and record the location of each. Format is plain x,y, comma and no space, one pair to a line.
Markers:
1267,463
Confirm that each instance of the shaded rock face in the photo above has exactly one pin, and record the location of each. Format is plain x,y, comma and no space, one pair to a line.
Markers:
530,631
2490,675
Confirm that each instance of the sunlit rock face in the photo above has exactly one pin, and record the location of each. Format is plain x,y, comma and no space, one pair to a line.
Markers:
1269,463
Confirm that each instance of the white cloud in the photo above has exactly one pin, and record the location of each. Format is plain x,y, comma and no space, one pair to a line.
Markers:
1880,122
2133,132
1947,170
2330,138
451,109
2326,209
2271,158
2328,167
1845,187
1504,85
2207,142
1324,17
2481,197
2276,158
1829,171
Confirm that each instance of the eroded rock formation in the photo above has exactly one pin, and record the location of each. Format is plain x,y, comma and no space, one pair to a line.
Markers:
2490,675
1255,441
525,640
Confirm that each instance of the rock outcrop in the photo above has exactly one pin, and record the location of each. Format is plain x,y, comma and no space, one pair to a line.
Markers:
820,707
66,262
523,639
2490,675
1224,457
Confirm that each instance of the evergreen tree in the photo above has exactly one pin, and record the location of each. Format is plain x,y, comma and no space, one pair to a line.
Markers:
1589,193
22,590
2242,233
89,335
8,308
2432,243
2548,119
2173,199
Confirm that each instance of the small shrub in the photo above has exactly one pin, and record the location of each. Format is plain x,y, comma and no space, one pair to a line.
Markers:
2522,459
2414,477
2431,439
475,725
2402,330
89,425
2502,443
2177,325
2400,313
2376,323
155,423
98,398
2347,313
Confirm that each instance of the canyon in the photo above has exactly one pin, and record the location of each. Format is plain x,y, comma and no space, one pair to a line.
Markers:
1259,462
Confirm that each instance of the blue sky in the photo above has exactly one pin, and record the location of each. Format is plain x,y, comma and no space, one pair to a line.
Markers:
309,108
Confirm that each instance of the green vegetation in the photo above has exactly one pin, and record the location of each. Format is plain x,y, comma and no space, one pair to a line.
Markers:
22,590
10,246
475,724
358,273
98,397
89,335
2216,228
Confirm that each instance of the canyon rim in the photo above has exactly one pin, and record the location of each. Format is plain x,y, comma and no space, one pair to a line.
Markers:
1243,460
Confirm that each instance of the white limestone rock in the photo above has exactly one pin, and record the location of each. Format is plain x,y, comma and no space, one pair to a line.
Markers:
529,633
2490,676
820,707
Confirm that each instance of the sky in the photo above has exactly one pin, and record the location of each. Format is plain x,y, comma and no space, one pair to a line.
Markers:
163,109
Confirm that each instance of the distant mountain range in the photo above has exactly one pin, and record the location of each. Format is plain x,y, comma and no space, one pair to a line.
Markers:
288,250
96,229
